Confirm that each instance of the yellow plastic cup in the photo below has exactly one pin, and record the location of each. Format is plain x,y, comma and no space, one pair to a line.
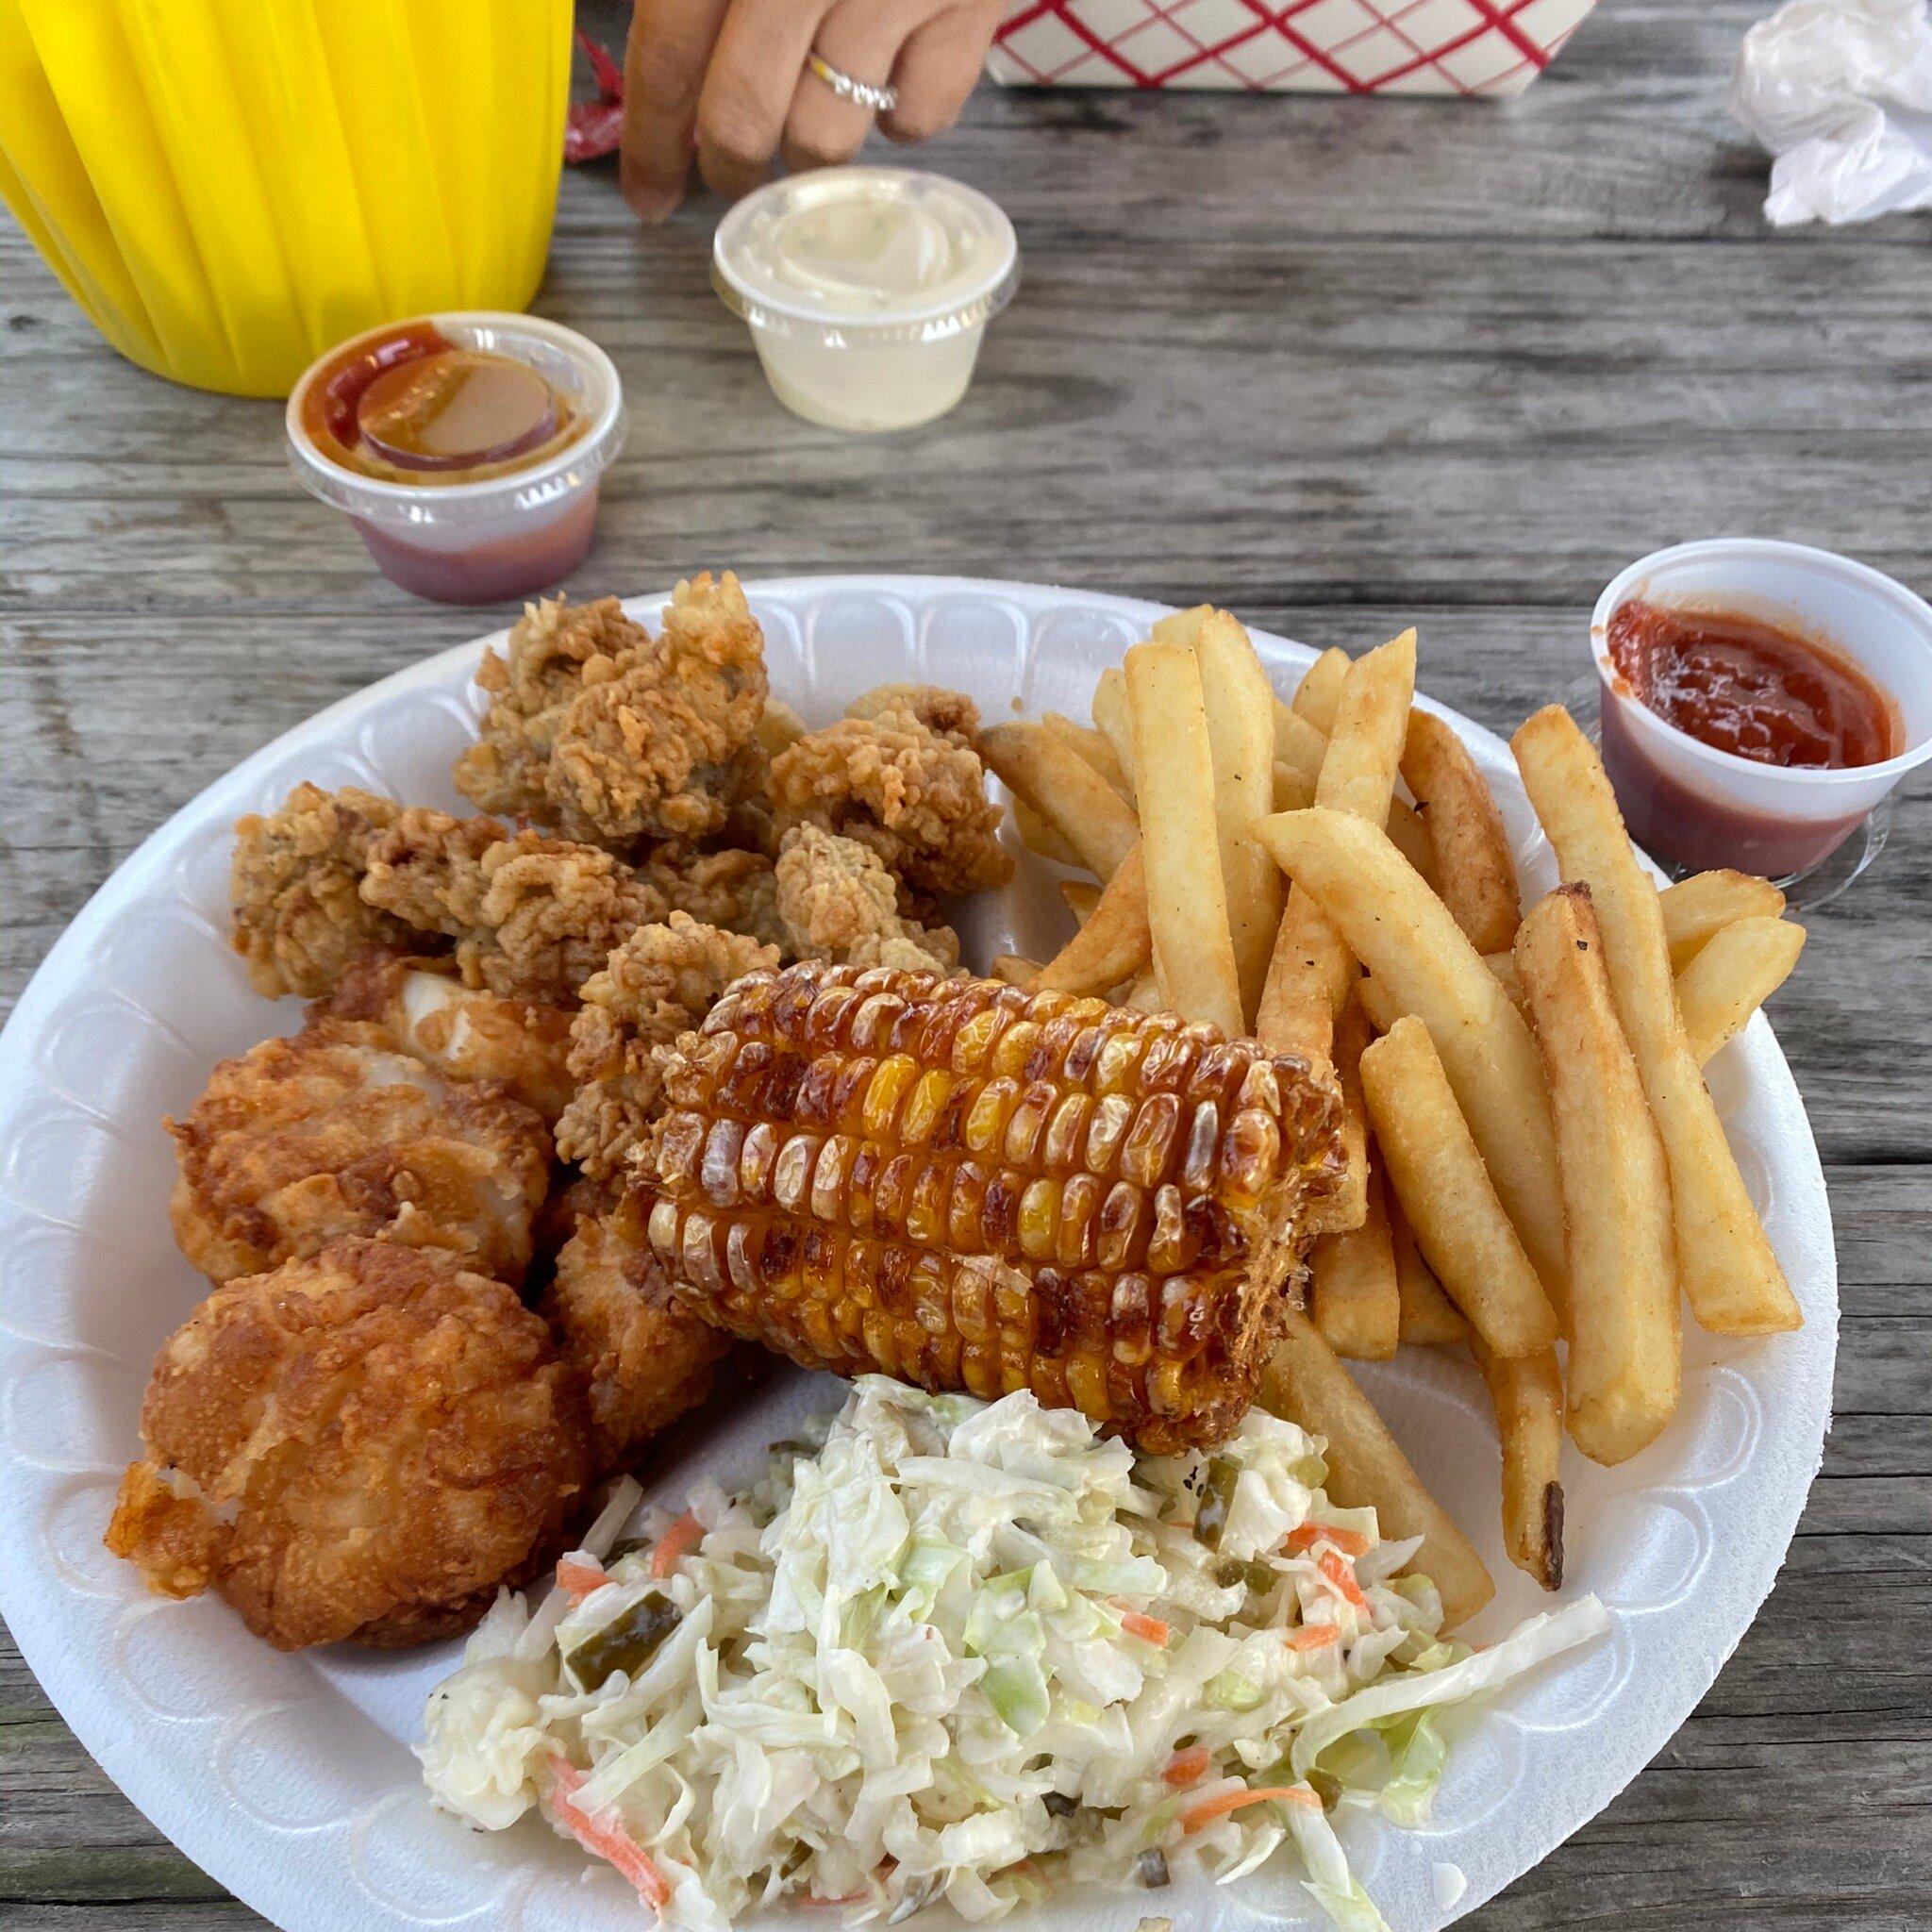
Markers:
229,187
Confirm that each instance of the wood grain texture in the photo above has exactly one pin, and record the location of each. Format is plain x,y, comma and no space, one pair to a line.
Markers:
1342,365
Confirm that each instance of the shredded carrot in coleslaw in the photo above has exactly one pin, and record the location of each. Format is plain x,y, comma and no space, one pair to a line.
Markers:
603,1837
682,1534
1305,1536
1208,1809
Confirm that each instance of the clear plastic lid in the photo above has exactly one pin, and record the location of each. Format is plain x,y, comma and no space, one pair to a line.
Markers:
573,365
853,257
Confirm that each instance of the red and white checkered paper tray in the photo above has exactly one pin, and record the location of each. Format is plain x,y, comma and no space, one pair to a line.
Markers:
1296,46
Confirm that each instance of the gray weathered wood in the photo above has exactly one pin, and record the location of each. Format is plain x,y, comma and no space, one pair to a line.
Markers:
1342,365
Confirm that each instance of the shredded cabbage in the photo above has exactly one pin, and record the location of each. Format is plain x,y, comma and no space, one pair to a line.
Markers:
969,1651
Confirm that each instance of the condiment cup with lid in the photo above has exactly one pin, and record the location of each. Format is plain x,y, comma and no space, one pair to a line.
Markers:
867,290
1697,806
464,448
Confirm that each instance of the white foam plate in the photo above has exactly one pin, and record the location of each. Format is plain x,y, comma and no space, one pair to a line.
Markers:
288,1778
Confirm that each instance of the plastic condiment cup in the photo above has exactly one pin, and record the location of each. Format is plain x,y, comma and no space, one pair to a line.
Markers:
885,334
504,535
1686,802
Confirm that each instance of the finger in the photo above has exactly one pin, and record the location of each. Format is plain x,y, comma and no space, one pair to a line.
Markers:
860,39
938,69
664,62
748,88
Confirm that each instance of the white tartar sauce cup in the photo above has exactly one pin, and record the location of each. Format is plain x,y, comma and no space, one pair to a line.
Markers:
867,290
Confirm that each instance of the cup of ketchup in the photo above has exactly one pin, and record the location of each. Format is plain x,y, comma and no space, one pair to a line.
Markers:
1759,699
465,449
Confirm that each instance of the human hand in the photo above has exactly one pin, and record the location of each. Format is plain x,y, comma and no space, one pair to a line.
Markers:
729,79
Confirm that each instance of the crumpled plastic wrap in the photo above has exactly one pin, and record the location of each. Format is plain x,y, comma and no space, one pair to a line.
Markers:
1839,92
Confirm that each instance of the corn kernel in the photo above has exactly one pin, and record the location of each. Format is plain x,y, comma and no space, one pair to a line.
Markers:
922,1107
880,1110
1038,1219
1149,1146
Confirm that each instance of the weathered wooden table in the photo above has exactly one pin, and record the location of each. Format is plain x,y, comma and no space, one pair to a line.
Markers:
1338,364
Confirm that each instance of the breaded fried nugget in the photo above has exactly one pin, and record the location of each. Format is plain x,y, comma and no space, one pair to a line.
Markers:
659,984
614,737
551,649
360,1445
461,1031
532,917
331,1133
916,798
838,902
950,713
299,917
645,1357
733,887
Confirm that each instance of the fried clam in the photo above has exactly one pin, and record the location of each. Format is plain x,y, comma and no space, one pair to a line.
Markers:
331,1133
358,1445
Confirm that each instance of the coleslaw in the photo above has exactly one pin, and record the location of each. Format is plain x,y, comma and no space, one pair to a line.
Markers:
966,1651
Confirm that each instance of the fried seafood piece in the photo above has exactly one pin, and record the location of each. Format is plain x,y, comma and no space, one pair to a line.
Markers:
532,917
553,648
733,887
949,713
331,1133
917,798
965,1186
298,914
657,985
644,1355
838,902
361,1444
463,1032
613,736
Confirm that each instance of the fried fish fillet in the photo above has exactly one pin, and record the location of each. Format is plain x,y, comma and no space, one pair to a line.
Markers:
331,1133
361,1444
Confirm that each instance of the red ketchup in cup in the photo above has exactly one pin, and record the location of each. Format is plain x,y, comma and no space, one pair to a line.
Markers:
1759,699
465,449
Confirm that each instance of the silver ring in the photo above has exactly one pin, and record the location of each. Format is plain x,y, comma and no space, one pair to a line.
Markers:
881,100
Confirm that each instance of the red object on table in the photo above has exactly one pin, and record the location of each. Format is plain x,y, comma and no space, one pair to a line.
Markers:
594,128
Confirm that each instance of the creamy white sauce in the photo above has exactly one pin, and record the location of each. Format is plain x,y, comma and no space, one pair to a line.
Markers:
867,289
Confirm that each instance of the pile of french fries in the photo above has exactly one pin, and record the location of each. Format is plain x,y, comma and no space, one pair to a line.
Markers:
1534,1162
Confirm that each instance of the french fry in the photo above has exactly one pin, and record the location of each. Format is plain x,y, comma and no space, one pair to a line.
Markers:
1113,945
1724,1256
1311,969
1426,1316
1423,963
1016,970
1187,903
1731,975
1624,1341
1347,1208
1093,819
1318,696
1354,1294
1503,966
1240,737
1306,1384
1528,1396
1298,752
1475,873
1696,908
1438,1177
1082,896
1039,837
1293,790
1143,991
1298,745
1110,721
1412,838
1091,745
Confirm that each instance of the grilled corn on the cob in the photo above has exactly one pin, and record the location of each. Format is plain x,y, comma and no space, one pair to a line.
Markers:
966,1186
